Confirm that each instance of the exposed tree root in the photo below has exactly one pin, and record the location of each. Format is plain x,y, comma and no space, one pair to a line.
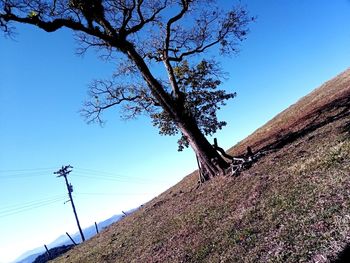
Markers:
237,164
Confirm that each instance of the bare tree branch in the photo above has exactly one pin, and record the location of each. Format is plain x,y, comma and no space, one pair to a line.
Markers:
105,94
149,33
232,27
170,70
50,26
143,20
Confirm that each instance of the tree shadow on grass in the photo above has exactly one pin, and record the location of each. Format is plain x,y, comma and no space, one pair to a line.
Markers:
346,128
342,104
343,256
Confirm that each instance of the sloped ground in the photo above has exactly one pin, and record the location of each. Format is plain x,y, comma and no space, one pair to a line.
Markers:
54,253
291,206
299,117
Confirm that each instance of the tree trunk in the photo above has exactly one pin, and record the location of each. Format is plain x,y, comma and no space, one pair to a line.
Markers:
211,161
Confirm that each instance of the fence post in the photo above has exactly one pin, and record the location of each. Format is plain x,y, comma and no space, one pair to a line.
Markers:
47,252
71,238
96,228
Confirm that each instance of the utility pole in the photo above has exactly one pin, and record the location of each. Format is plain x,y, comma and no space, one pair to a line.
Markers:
64,171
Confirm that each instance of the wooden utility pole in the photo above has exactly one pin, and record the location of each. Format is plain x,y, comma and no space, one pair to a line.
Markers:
64,171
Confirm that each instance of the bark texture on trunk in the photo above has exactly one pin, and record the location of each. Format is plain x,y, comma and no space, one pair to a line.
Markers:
211,161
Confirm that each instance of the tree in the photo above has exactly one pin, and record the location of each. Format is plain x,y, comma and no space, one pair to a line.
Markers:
182,96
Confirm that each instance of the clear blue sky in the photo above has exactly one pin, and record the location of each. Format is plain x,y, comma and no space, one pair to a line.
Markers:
294,46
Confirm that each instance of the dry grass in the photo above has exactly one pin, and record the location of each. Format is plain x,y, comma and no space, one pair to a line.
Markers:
297,116
291,206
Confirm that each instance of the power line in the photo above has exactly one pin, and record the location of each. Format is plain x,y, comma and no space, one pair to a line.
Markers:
121,180
104,173
4,211
109,174
95,171
81,172
104,176
28,208
27,170
117,177
24,173
130,194
31,202
20,176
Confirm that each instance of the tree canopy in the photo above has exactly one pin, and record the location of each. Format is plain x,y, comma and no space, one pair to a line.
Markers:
158,47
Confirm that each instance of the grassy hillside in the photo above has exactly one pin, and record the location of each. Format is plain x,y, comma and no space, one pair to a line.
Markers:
291,206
